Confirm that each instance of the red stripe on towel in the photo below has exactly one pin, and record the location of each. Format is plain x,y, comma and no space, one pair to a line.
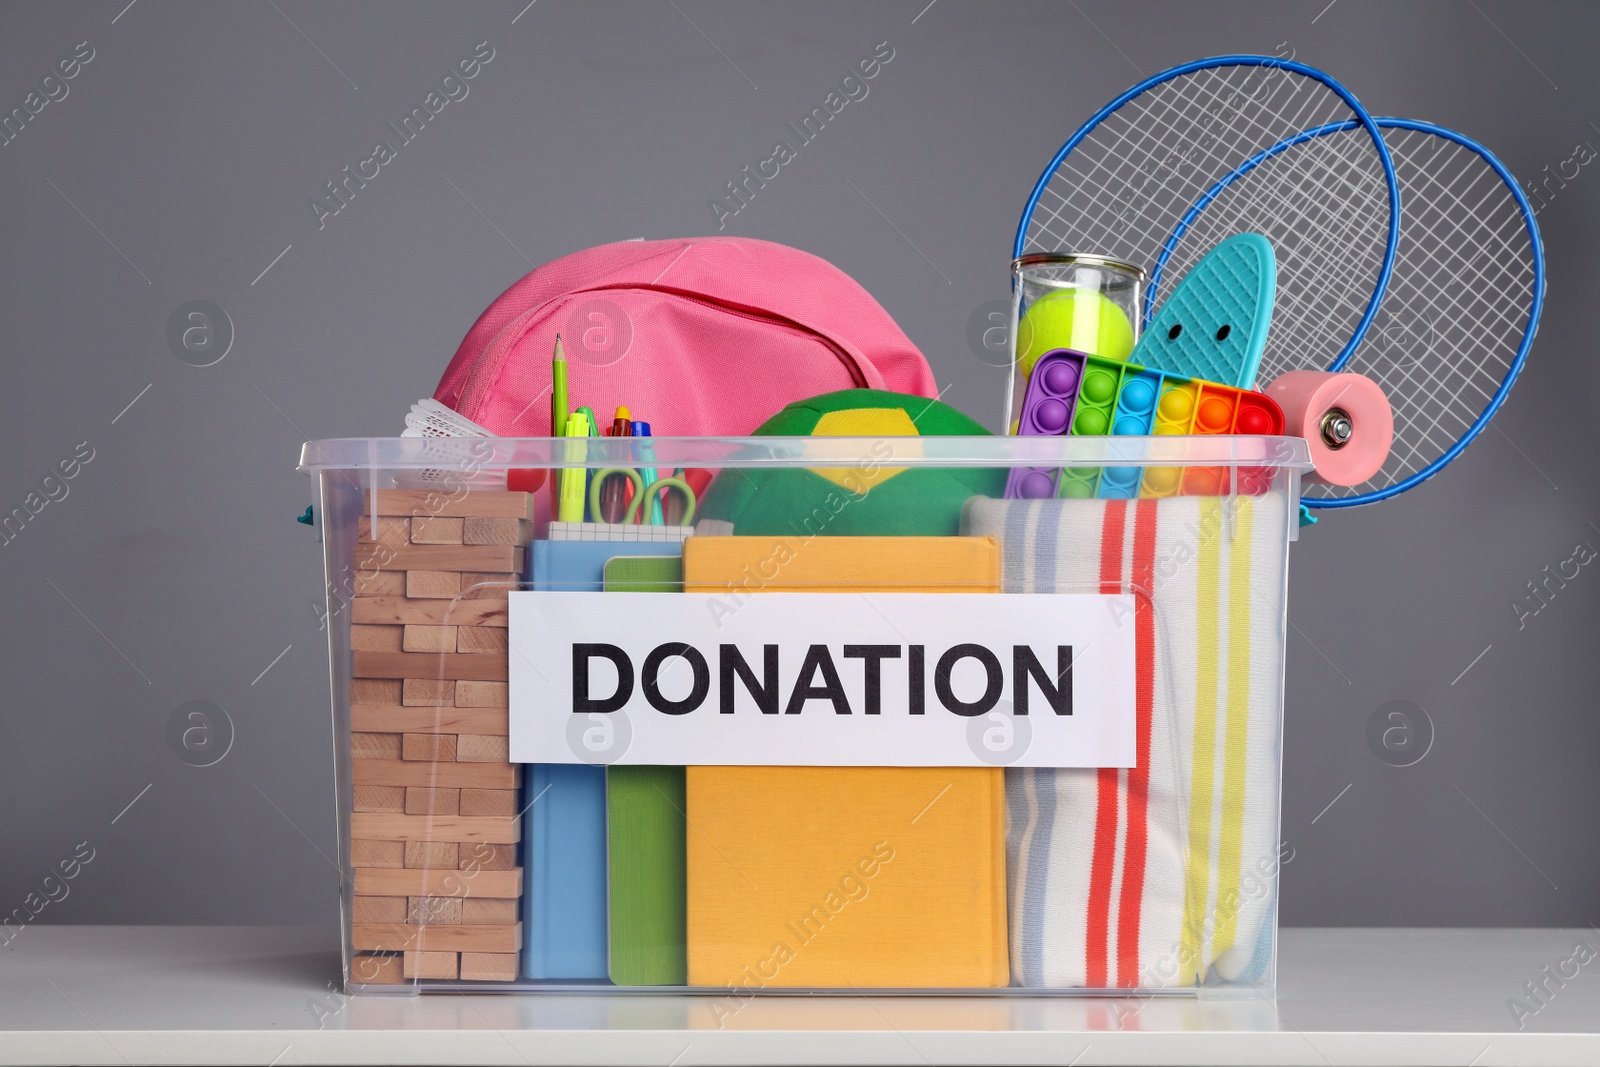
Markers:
1105,822
1137,834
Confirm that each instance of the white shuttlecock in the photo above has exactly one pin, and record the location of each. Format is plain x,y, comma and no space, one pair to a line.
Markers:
432,420
429,418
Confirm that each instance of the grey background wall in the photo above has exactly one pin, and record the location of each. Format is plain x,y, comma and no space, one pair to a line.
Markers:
180,164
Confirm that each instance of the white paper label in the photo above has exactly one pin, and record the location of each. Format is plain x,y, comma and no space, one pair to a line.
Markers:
823,679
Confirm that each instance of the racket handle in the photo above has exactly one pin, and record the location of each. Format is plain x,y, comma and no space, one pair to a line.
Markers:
1345,418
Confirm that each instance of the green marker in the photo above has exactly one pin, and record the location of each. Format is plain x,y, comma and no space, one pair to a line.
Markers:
594,431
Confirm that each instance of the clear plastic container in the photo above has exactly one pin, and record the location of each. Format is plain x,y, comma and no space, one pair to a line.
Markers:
1086,303
983,867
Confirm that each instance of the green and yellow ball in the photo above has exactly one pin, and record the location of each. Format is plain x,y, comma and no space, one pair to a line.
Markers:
867,500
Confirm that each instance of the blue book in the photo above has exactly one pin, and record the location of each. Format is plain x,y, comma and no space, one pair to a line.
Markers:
580,566
564,907
565,902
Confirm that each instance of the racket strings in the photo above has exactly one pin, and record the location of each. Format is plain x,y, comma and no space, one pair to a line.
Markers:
1159,131
1289,194
1167,125
1458,309
1432,395
1130,182
1332,216
1130,150
1321,295
1324,294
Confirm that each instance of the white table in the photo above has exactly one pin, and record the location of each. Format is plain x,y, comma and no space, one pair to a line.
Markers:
230,995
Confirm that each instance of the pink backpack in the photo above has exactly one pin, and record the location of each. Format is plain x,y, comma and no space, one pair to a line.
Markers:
708,335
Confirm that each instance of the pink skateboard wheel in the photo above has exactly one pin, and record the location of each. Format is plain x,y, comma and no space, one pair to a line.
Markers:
1345,418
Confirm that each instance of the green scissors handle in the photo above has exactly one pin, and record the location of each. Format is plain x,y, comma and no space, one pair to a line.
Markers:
639,493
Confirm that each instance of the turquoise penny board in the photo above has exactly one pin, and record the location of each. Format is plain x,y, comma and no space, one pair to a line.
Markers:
1214,325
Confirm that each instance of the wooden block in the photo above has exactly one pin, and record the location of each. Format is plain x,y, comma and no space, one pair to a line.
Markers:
474,694
429,720
434,585
365,638
379,583
377,691
376,970
392,936
399,611
435,530
375,745
481,531
378,909
478,639
432,965
422,800
386,854
483,503
439,855
413,882
437,911
483,748
433,747
457,557
435,639
381,798
484,856
485,666
376,826
480,585
420,692
391,531
488,802
435,775
488,967
483,911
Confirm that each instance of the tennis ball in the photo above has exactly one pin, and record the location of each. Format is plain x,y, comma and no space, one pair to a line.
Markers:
1079,319
871,500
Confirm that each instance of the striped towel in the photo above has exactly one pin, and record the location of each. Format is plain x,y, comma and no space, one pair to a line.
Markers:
1162,875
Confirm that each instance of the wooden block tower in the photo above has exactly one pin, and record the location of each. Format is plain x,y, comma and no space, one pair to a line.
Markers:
434,831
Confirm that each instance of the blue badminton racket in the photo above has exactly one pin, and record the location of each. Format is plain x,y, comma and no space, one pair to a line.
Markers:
1198,153
1461,308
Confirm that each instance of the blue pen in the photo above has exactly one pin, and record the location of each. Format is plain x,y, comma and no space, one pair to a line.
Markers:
648,473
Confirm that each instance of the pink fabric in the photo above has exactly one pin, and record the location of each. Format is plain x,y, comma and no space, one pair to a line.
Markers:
707,335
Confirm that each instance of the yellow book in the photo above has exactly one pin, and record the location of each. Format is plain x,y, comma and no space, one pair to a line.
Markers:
845,876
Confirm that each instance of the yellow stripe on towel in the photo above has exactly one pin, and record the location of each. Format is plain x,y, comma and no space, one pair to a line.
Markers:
1234,751
1197,886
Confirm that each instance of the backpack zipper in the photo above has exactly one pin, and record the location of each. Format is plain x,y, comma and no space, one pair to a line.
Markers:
857,375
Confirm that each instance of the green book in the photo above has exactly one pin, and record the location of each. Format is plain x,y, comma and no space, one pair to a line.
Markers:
645,847
643,574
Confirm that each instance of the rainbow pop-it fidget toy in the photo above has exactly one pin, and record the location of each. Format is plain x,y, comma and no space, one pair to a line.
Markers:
1071,392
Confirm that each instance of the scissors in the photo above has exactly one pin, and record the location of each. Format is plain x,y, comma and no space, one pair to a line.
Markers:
632,514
